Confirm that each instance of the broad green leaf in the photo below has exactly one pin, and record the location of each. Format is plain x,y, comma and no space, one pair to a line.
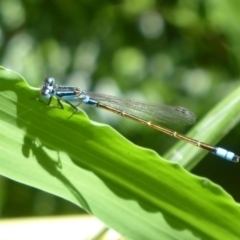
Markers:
131,189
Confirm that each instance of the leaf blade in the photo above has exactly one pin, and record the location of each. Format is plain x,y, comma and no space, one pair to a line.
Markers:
131,189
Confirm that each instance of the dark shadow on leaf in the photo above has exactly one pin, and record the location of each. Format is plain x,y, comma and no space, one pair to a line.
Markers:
51,166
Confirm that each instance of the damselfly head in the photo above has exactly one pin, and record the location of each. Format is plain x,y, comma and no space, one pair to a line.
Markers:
47,88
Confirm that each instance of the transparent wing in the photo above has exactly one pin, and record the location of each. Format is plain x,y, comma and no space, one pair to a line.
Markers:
147,111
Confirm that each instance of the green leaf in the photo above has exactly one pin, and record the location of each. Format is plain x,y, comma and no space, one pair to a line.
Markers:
217,123
131,189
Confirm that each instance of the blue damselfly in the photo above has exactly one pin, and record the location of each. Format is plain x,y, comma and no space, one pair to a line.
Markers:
141,112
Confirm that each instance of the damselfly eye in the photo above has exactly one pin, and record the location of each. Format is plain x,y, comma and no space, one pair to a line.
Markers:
45,91
49,81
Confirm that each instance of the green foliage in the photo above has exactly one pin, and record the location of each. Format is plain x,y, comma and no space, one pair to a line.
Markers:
183,53
91,165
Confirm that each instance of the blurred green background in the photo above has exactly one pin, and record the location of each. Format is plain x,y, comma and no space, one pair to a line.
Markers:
183,53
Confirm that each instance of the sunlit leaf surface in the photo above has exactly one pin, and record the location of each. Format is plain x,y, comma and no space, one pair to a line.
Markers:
131,189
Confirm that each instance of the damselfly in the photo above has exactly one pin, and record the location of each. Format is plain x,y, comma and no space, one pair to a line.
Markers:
143,113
